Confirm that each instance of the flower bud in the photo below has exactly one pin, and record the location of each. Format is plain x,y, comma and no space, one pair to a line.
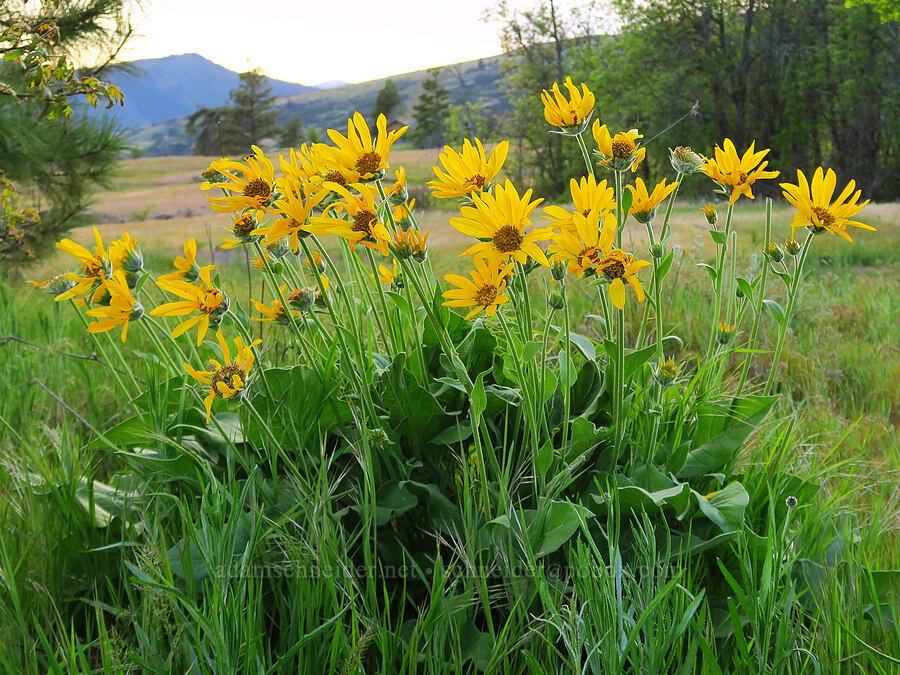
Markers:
685,160
774,252
556,301
791,502
302,299
709,210
558,269
667,372
279,249
792,246
724,334
656,250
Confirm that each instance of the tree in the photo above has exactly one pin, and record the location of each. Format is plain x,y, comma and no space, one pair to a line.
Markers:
54,152
430,112
387,100
248,117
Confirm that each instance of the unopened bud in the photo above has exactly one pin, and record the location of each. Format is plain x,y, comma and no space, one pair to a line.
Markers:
656,250
685,160
725,333
667,372
774,252
556,301
792,246
709,210
302,299
558,269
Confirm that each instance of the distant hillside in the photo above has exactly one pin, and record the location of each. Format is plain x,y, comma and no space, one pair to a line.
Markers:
175,86
474,81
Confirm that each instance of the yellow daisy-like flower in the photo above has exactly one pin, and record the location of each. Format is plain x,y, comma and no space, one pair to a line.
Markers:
251,182
55,285
644,205
299,168
398,190
242,226
484,291
358,151
465,173
229,379
95,267
295,207
122,307
737,173
209,301
619,152
410,243
124,253
709,211
587,196
499,220
389,276
582,246
571,112
276,312
816,211
364,227
620,267
186,267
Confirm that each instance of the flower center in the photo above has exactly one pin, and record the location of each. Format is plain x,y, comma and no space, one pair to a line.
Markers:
589,256
613,268
362,222
210,300
486,295
226,374
368,163
92,267
622,148
507,239
824,217
257,189
477,181
336,177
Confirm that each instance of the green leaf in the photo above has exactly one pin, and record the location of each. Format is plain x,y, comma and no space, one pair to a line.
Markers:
662,269
776,310
454,435
721,430
568,373
710,270
478,397
562,520
726,507
442,512
543,459
627,200
717,236
744,287
633,360
585,345
530,350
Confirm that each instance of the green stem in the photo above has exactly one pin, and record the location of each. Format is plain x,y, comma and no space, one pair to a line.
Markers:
106,359
527,390
792,296
585,153
761,294
720,265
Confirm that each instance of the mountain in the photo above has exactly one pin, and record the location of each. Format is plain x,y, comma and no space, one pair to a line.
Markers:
175,86
331,103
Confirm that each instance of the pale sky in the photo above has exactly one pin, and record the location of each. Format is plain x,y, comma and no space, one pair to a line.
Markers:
314,41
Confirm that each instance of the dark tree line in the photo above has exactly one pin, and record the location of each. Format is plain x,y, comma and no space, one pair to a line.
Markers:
814,80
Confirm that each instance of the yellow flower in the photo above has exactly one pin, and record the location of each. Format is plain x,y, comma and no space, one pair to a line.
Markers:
242,226
410,243
398,192
582,246
709,210
364,227
124,253
358,151
467,172
619,267
389,276
209,301
738,173
229,379
643,205
252,188
295,207
122,307
301,168
484,291
499,220
588,196
619,152
724,333
816,211
55,285
185,267
402,212
560,112
317,262
276,312
95,267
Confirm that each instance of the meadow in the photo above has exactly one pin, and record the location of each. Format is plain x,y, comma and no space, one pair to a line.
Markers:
164,544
